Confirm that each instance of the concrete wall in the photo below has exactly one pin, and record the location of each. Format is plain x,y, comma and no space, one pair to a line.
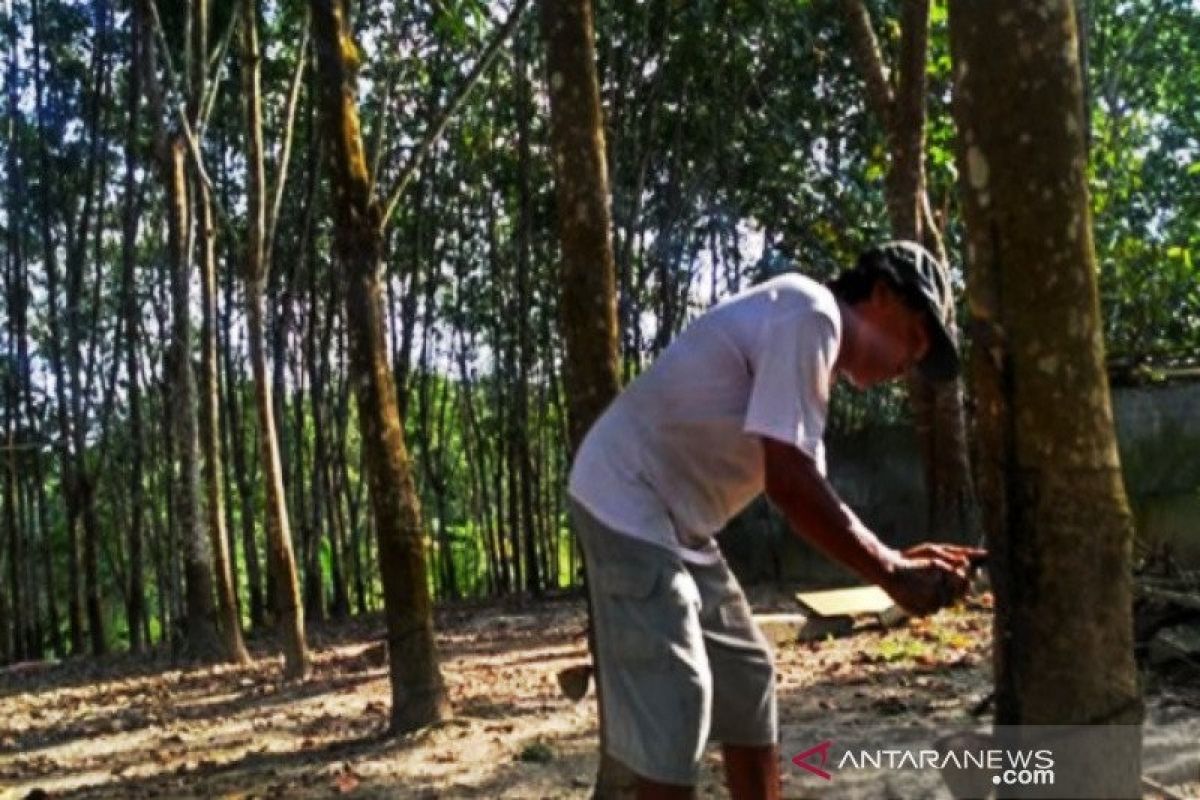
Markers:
1158,431
878,473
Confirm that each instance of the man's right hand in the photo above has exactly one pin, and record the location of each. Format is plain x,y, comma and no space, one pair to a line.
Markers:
929,577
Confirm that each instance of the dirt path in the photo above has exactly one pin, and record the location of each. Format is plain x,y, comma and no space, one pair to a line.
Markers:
139,730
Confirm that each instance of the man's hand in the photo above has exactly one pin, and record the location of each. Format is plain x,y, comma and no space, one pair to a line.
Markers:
929,576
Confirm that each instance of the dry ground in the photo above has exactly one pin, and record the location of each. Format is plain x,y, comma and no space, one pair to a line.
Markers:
130,729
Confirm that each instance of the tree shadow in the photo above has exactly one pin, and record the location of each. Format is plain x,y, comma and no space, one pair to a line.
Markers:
254,774
312,772
133,717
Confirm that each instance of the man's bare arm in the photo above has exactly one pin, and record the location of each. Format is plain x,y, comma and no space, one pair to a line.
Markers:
921,579
817,514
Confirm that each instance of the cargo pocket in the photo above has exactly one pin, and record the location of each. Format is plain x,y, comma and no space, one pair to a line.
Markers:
631,592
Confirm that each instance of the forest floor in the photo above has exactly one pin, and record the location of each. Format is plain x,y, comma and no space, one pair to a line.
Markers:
142,728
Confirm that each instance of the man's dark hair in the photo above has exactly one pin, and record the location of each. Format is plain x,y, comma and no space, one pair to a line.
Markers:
855,285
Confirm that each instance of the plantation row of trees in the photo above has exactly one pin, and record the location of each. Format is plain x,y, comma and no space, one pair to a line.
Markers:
282,289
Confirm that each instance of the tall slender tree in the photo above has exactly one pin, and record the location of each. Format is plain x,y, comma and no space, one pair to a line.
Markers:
186,520
135,593
418,691
282,556
587,272
16,298
210,390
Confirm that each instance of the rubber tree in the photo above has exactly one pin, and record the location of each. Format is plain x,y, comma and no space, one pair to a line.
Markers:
418,691
1058,521
280,551
588,271
210,425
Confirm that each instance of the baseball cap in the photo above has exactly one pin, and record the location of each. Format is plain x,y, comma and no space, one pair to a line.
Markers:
925,279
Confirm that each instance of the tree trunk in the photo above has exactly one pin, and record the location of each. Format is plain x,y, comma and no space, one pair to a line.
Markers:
524,346
340,601
202,625
418,692
210,431
308,490
16,296
167,540
1060,530
135,603
589,311
16,555
282,556
209,400
35,632
43,516
79,370
428,431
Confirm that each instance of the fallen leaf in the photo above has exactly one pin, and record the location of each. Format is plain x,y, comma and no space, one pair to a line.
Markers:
345,782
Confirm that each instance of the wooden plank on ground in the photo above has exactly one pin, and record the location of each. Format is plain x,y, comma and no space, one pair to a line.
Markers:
854,602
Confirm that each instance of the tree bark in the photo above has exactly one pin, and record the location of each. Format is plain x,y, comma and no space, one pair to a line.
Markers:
80,371
418,692
1059,525
524,347
202,626
135,604
589,310
282,556
210,430
209,400
241,477
16,296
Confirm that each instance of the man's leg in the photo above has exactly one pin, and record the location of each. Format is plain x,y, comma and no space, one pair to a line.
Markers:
745,713
752,773
651,663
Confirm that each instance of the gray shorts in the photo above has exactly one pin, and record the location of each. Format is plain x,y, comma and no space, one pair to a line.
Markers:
680,660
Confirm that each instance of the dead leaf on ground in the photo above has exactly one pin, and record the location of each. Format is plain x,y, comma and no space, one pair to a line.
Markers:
345,782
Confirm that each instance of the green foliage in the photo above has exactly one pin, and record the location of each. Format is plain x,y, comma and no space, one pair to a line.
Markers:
1145,111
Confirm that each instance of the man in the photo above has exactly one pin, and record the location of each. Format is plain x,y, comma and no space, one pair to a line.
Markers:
735,406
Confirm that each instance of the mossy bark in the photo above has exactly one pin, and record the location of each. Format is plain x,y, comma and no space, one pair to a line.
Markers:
418,691
1058,520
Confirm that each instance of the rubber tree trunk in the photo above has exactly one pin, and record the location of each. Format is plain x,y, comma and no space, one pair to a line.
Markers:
281,555
1059,524
588,273
209,398
210,432
418,691
135,603
202,631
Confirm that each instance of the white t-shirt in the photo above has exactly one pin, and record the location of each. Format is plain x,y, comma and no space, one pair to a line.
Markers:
677,453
